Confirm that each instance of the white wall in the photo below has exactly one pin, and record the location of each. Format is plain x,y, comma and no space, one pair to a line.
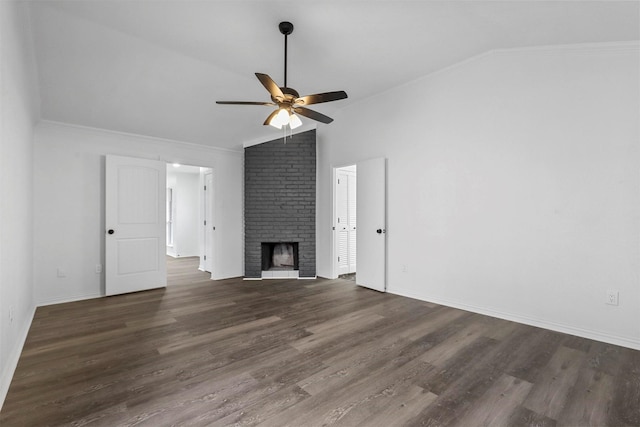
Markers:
513,186
187,205
69,204
18,114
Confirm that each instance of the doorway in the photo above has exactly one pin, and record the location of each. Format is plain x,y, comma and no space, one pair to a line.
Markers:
369,208
345,207
190,216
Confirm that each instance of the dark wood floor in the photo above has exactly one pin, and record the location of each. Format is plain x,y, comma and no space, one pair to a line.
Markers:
307,353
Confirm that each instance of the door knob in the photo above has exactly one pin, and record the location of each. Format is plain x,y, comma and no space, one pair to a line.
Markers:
111,231
379,231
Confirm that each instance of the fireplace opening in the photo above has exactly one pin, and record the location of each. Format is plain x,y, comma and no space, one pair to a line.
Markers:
279,256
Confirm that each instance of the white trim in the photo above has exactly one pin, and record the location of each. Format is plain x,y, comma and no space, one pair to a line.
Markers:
531,321
69,299
140,136
262,140
280,278
586,48
12,361
611,47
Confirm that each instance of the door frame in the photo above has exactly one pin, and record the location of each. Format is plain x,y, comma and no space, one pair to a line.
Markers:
334,211
201,210
208,225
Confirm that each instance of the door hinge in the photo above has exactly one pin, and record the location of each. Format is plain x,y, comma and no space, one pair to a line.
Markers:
205,188
338,259
205,257
205,222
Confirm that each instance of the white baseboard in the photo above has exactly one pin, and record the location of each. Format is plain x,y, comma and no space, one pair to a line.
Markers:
531,321
12,361
69,299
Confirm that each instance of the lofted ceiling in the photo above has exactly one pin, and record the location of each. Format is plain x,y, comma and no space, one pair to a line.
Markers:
156,68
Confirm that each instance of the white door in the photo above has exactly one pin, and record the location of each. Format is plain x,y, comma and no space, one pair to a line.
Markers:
135,222
208,222
371,218
342,221
351,200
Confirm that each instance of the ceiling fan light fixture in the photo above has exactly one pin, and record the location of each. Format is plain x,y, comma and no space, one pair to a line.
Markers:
294,121
280,119
275,123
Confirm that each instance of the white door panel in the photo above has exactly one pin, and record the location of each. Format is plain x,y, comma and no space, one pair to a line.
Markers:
371,218
135,219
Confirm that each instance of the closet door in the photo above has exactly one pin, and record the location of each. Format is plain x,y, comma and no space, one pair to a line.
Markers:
351,208
342,221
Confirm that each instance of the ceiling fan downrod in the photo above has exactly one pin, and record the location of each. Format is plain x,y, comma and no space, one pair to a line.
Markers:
286,28
288,101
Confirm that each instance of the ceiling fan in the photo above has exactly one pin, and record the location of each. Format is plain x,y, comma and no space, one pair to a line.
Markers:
289,102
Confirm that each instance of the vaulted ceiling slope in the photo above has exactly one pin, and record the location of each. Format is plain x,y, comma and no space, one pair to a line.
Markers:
156,67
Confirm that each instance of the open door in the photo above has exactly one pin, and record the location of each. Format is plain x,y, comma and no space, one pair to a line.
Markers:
135,223
371,199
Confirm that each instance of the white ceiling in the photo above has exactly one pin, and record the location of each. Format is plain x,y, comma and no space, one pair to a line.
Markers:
157,67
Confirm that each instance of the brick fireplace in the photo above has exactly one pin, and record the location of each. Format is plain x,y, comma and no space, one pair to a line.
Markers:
280,207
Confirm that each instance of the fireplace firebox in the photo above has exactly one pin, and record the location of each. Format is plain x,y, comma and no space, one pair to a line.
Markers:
279,256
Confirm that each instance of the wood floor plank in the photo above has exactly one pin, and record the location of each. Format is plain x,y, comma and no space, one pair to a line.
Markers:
550,393
498,403
209,337
442,353
589,402
467,376
305,353
407,406
626,397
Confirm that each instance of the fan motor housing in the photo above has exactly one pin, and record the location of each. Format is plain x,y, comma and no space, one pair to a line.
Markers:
290,95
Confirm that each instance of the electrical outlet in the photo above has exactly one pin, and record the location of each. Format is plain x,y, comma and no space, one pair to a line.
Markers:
404,268
612,297
98,268
61,272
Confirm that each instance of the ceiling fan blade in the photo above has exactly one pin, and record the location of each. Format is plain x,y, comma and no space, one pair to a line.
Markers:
243,103
271,116
322,97
270,85
313,115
